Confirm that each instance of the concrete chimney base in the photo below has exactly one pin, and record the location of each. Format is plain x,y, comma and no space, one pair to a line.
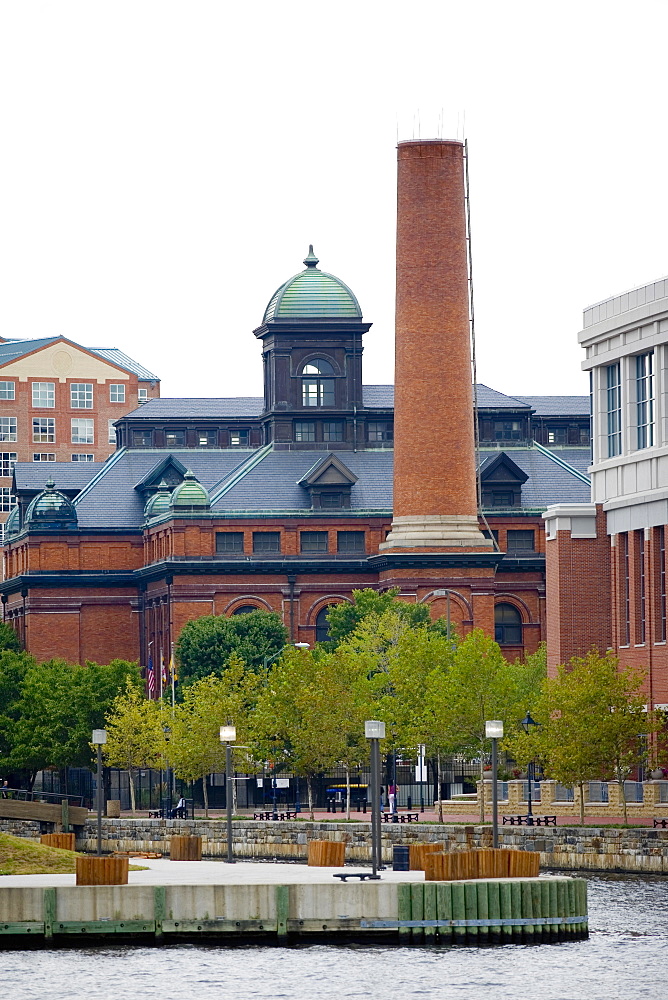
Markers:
436,531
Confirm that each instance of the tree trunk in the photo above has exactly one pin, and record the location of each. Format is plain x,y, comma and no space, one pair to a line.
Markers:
234,794
347,791
310,795
582,803
622,795
439,783
132,790
205,792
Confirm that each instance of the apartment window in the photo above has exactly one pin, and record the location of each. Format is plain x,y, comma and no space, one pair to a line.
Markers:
266,541
7,462
239,439
230,541
142,439
379,430
625,587
44,430
81,395
44,394
7,390
332,430
142,394
661,545
175,439
558,435
507,625
614,409
7,499
322,625
350,541
304,430
112,432
116,392
641,620
520,540
207,439
7,428
82,430
502,499
507,430
80,457
316,390
645,399
42,456
314,541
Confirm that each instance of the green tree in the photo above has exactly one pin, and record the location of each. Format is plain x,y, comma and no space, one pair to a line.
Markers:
194,748
345,618
592,716
13,667
60,704
480,685
9,639
206,644
135,736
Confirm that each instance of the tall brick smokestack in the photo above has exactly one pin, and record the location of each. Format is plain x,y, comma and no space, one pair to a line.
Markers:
434,450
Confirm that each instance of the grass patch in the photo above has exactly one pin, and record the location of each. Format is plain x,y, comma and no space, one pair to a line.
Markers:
19,856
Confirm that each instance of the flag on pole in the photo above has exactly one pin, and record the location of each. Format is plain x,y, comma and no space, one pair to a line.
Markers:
150,677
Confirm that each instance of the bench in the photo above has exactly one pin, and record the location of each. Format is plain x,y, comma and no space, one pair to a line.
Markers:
661,822
400,817
360,875
281,814
530,820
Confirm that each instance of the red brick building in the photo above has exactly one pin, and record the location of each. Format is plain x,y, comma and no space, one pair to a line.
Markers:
290,501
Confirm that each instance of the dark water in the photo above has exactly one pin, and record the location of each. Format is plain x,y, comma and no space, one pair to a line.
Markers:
624,959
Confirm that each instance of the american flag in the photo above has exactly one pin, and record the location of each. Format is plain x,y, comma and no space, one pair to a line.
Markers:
150,677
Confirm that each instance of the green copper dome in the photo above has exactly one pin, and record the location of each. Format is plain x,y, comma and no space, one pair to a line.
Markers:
13,524
51,509
313,294
159,503
190,493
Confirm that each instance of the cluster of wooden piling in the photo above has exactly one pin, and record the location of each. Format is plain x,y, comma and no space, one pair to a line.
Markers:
326,853
481,863
485,912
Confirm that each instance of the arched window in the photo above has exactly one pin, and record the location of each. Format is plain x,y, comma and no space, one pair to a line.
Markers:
317,388
245,609
507,625
322,625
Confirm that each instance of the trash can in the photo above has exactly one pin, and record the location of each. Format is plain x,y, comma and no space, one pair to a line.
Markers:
400,859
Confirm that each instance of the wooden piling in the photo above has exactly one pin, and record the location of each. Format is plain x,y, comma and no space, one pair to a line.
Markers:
63,841
94,870
326,853
185,849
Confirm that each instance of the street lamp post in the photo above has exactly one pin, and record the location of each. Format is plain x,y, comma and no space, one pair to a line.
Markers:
293,645
526,724
99,739
168,778
228,735
375,732
494,732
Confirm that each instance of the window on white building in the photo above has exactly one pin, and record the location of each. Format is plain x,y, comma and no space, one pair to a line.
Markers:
82,430
614,410
44,394
645,399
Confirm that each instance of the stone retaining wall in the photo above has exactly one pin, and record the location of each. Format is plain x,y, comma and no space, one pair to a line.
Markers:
636,849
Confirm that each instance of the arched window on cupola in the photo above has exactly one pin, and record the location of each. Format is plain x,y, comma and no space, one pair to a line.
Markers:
317,383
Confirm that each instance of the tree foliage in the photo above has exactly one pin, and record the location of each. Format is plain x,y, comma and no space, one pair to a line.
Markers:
345,618
9,640
206,644
135,736
591,716
59,705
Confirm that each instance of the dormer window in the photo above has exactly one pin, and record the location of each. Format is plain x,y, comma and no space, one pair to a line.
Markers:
329,483
318,383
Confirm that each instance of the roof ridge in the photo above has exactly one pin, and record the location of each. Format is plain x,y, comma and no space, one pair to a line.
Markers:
560,461
239,472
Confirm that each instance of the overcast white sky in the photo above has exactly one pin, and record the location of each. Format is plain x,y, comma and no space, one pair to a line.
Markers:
165,165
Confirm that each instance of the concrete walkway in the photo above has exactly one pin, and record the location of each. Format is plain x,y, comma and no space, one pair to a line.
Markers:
162,871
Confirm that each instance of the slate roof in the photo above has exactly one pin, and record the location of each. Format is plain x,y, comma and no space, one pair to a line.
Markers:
558,406
66,475
549,482
383,396
497,400
194,407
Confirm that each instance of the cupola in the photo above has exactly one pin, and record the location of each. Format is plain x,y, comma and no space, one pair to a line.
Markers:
51,509
190,496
